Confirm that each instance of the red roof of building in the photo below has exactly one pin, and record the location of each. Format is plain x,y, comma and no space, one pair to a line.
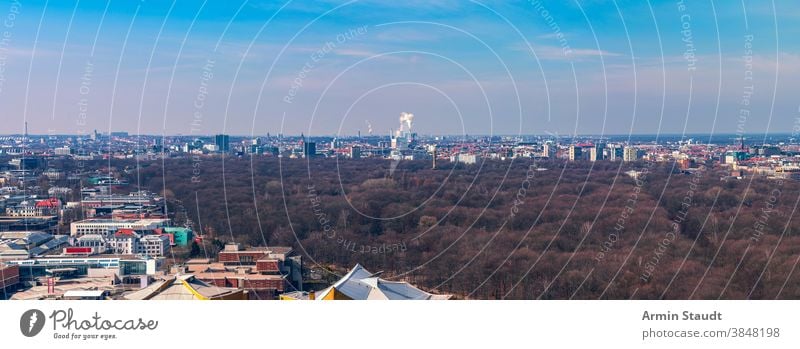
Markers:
125,232
51,203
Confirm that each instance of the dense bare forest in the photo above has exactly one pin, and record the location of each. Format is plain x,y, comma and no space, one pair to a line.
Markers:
521,229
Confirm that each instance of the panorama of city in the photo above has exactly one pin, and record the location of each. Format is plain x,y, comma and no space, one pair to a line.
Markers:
113,215
399,150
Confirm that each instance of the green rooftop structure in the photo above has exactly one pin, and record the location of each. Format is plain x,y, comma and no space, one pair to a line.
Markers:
181,236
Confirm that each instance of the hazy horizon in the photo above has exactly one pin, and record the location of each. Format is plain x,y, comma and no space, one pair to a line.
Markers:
328,67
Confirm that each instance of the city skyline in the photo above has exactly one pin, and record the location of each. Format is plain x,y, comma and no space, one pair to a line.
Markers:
257,67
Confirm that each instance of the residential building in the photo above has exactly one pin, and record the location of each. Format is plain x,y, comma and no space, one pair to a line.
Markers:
630,154
549,150
597,152
575,153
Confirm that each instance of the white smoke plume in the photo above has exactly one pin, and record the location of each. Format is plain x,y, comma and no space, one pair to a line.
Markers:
406,120
369,127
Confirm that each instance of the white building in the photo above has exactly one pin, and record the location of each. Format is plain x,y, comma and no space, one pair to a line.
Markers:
125,241
469,159
96,242
154,245
107,227
24,209
63,151
59,191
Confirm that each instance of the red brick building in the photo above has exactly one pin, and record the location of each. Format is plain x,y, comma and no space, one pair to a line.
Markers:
247,257
264,272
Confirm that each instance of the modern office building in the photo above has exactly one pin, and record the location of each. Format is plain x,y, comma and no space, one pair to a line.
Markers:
107,227
223,143
309,149
135,198
67,266
355,152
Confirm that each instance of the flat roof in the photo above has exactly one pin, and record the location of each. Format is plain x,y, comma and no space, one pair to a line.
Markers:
84,293
199,261
136,220
235,275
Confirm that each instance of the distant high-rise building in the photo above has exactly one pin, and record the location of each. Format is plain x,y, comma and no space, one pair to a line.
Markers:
355,152
630,154
596,153
433,155
575,153
615,152
309,149
399,143
222,142
548,150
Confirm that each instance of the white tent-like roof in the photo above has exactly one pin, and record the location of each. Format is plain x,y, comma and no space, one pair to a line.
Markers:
360,284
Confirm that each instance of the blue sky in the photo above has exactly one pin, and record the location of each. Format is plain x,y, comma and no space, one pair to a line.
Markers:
488,67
